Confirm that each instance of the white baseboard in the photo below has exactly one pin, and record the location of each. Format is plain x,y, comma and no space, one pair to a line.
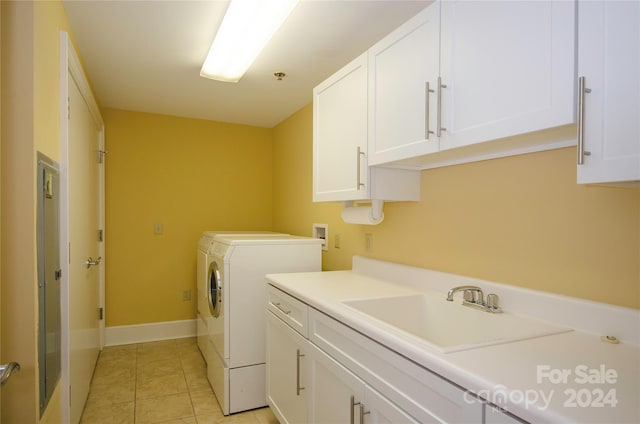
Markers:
141,333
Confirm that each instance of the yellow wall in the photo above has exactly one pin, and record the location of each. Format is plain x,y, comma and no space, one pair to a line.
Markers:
190,176
30,113
521,220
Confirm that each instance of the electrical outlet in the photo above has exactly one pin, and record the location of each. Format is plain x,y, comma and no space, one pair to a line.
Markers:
336,241
186,295
157,229
368,242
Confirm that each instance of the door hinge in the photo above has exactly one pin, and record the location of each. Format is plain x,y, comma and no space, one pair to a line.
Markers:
101,154
68,108
100,313
57,274
100,235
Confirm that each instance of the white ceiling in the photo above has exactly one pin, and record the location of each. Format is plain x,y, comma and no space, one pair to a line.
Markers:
146,55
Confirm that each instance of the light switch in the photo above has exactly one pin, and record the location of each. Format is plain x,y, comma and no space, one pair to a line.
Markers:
157,229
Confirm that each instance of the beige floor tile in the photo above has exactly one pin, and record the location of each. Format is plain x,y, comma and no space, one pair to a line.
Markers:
102,395
193,363
204,403
159,354
161,344
159,368
113,376
164,408
189,420
158,382
119,413
210,418
151,387
240,418
197,382
265,416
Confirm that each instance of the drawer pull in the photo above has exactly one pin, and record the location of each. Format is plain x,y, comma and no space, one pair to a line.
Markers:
281,309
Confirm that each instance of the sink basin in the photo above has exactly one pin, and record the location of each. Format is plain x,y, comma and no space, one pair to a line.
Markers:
449,326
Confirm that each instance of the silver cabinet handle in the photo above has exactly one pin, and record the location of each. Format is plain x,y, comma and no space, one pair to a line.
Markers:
298,356
7,370
351,413
426,112
440,128
582,89
281,309
89,262
353,404
362,413
359,183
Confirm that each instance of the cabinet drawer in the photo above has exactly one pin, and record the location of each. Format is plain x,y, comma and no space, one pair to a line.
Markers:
421,393
289,309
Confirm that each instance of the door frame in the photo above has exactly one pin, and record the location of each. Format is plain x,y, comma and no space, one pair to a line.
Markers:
70,67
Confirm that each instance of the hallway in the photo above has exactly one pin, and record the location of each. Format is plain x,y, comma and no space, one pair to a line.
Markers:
158,382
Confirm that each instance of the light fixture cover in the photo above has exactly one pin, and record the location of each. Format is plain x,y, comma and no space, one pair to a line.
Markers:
246,28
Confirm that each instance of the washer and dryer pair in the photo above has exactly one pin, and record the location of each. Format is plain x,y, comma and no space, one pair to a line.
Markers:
232,296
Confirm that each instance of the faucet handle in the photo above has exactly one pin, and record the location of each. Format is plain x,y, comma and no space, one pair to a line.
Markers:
493,302
468,295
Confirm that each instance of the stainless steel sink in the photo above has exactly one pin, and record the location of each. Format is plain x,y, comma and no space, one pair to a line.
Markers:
448,326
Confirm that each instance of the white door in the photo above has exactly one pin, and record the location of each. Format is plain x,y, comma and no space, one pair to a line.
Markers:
340,169
287,388
609,64
336,394
508,68
84,223
403,75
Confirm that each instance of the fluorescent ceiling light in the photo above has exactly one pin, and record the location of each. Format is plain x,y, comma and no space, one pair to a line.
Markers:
246,28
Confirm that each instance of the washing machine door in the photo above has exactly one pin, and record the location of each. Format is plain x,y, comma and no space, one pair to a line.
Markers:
214,289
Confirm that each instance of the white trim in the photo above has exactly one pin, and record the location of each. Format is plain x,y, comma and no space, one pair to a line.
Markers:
141,333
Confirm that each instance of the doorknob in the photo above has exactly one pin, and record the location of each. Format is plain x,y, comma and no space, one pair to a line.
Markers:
6,370
92,261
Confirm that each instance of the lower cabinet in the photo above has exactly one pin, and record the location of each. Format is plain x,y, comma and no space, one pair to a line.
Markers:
339,396
286,361
326,373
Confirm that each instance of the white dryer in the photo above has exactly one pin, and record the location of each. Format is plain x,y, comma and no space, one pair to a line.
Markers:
203,275
237,299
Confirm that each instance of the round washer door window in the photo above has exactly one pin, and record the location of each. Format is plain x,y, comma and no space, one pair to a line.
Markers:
215,290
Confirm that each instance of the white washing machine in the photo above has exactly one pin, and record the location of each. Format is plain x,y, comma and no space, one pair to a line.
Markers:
237,297
203,276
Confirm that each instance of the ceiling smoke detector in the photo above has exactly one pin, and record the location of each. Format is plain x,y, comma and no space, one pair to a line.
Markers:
279,75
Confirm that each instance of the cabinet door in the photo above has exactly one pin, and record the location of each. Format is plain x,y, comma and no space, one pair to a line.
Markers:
286,383
609,61
336,393
340,135
403,71
507,68
378,410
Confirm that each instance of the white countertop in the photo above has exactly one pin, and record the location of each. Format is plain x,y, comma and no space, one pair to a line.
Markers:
518,376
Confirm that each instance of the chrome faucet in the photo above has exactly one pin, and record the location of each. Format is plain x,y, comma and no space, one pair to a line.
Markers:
473,296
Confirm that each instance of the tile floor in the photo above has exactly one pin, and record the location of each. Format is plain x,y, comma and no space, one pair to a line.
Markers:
158,382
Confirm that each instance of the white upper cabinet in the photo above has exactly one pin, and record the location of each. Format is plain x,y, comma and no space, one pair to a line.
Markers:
508,68
609,71
341,170
403,73
340,134
466,73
